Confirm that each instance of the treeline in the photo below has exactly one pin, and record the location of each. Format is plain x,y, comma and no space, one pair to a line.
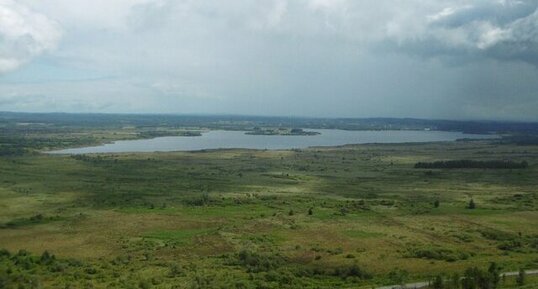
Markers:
241,122
8,150
161,133
472,164
476,278
521,139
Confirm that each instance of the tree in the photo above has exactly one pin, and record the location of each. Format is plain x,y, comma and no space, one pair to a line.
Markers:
469,278
438,282
436,204
493,271
47,258
472,205
455,281
520,279
398,276
311,211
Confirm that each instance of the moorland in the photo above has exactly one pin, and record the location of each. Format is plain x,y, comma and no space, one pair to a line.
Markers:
356,216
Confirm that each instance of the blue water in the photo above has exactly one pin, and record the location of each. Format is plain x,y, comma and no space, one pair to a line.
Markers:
218,139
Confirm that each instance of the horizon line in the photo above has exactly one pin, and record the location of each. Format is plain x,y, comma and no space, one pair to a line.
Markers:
270,116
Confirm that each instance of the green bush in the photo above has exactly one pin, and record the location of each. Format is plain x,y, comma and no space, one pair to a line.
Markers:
511,245
255,262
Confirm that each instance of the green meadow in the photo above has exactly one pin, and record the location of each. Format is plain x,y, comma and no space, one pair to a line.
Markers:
346,217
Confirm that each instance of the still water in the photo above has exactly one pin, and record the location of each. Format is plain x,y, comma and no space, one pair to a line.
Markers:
217,139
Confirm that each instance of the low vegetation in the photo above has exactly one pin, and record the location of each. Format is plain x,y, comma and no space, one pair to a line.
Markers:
348,217
477,278
472,164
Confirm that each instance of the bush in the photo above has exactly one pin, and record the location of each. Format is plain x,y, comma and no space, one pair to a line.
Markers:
351,271
472,204
438,282
255,262
398,276
175,270
510,245
47,258
520,279
475,278
4,253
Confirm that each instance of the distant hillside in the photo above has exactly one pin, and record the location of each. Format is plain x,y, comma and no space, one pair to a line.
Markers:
237,122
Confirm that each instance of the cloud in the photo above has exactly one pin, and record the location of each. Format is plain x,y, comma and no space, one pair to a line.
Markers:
438,58
500,29
24,34
503,30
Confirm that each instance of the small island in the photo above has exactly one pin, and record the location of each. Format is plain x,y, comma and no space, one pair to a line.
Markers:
162,133
281,131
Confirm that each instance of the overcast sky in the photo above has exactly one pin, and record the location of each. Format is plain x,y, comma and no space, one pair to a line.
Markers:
461,59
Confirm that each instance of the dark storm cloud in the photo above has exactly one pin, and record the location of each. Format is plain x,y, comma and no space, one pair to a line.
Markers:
505,30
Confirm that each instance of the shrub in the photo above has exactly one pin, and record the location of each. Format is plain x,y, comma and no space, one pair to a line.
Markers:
520,279
351,271
510,245
398,276
175,270
47,258
494,271
475,278
255,262
438,282
472,204
4,253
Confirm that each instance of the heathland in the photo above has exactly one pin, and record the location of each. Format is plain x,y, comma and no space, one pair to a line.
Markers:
355,216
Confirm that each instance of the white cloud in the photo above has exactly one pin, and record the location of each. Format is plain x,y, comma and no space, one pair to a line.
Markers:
457,26
273,56
24,34
470,27
490,35
77,15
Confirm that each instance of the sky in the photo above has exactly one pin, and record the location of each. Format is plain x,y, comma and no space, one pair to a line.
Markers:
459,59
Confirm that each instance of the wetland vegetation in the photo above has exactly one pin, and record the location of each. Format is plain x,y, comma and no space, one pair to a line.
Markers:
356,216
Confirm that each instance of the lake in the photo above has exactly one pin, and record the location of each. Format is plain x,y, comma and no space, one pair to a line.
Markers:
218,139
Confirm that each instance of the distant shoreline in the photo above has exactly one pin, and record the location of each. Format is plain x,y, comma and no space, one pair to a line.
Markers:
282,131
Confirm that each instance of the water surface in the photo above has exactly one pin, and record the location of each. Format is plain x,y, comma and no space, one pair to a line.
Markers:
218,139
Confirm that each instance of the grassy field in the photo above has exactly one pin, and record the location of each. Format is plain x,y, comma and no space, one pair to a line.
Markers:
347,217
